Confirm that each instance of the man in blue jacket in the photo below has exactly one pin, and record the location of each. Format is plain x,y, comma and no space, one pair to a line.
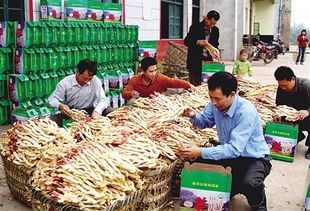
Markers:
242,144
203,31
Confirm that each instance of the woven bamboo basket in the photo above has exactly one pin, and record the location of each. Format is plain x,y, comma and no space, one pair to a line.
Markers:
174,62
42,203
157,192
176,178
17,178
176,71
176,54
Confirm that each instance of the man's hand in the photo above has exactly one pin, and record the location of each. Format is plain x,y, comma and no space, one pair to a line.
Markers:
65,110
276,119
134,94
201,43
302,114
193,88
190,152
188,112
95,115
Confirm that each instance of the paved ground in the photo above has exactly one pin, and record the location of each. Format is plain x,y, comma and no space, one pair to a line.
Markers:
285,186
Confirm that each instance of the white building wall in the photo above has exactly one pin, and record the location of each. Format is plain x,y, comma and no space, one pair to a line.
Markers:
145,14
264,15
187,16
230,36
246,16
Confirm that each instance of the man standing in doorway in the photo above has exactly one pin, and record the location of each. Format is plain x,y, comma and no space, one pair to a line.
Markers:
195,40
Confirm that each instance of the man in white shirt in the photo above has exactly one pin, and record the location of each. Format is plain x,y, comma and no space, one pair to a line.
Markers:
82,91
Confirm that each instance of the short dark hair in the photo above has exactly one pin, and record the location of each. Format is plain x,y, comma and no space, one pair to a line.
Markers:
223,80
244,51
213,14
146,62
88,65
304,30
284,73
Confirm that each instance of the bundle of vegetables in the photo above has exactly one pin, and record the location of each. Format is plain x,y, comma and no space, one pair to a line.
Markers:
26,142
89,176
98,129
247,84
214,52
180,132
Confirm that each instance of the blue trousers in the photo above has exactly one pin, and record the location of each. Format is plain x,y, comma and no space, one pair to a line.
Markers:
301,53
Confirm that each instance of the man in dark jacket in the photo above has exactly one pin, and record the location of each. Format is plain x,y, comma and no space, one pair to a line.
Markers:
295,92
195,39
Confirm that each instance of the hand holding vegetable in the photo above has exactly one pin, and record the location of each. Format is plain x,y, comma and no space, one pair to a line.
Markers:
188,112
134,94
190,152
303,114
65,109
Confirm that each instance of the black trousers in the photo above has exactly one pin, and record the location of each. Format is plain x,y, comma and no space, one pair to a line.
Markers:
195,78
304,126
248,175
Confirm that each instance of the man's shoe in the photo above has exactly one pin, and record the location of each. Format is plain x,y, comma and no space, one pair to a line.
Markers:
307,155
301,63
301,136
296,63
239,202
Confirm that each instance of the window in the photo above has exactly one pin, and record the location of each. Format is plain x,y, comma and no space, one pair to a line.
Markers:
256,29
12,10
196,8
171,19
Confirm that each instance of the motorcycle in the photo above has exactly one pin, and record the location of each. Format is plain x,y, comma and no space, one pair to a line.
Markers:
263,51
279,45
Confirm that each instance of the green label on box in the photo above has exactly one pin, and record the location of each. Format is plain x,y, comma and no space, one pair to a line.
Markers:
206,180
282,130
213,67
202,188
51,2
282,140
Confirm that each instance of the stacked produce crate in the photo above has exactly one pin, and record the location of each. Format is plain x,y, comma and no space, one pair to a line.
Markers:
7,42
48,51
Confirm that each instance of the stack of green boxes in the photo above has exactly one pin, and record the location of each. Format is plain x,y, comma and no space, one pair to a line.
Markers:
7,41
48,51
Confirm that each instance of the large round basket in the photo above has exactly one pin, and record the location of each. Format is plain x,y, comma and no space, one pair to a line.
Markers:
17,178
174,62
42,203
176,54
157,191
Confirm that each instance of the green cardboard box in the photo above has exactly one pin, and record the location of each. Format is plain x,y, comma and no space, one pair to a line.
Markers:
7,33
50,10
147,49
203,185
112,13
76,10
307,202
282,140
208,69
95,11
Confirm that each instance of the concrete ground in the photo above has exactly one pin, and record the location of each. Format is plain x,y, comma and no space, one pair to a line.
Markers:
287,182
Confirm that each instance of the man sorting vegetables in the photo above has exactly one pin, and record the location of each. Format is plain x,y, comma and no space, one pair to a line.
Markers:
295,92
242,144
82,91
149,81
199,35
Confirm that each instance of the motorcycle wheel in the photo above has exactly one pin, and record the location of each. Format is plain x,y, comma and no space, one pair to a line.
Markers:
269,57
251,57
